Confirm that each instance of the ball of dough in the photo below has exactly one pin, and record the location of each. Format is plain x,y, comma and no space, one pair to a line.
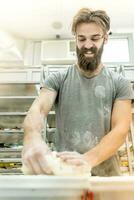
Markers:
61,168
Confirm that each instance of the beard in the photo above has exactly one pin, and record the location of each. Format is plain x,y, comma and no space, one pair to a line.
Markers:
89,64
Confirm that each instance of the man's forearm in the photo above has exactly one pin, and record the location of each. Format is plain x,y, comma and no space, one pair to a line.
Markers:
107,147
33,125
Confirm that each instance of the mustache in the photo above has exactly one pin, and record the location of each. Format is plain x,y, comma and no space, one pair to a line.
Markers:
85,50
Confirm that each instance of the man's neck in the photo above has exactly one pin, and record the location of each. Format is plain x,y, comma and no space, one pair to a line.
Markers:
90,74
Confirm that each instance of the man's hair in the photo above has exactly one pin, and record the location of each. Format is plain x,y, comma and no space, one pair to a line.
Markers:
86,15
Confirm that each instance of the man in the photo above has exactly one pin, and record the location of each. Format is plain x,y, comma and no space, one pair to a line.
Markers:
93,106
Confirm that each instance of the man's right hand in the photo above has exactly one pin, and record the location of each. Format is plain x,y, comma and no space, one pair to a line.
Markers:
33,157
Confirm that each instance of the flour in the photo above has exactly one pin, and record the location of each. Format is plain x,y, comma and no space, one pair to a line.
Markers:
61,168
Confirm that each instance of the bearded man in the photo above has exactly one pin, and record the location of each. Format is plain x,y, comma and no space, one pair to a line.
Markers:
92,103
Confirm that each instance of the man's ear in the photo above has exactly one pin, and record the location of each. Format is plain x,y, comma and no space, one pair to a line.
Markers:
105,38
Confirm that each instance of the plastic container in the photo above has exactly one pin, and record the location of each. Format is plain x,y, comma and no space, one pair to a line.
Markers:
21,187
113,188
43,187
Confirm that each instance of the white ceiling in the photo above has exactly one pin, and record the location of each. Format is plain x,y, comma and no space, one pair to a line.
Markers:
34,19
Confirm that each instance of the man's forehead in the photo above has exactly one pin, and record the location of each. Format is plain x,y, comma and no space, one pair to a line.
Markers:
90,35
88,29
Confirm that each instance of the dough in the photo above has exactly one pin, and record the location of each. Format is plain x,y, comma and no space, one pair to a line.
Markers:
62,168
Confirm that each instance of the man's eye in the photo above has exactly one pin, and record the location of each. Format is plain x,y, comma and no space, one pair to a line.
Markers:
95,39
81,40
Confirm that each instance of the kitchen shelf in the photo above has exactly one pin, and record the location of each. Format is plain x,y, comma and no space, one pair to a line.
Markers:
19,88
10,171
52,113
13,113
10,131
18,82
10,150
10,160
18,97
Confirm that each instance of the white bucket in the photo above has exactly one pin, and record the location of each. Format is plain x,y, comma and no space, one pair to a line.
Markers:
112,188
40,187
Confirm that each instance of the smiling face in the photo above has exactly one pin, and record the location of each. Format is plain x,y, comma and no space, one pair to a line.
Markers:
90,40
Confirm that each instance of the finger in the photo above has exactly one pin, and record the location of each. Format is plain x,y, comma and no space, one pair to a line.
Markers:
27,170
76,162
67,153
26,165
35,166
64,153
68,157
65,157
44,166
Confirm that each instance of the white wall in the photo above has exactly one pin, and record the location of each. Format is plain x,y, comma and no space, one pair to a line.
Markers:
11,48
32,52
24,52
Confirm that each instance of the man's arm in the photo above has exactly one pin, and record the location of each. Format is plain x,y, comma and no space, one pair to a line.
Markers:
34,150
108,146
120,125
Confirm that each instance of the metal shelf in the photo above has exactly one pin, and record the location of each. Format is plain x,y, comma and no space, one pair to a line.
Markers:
18,97
19,88
52,113
11,131
10,153
10,150
10,171
10,160
19,82
51,130
13,113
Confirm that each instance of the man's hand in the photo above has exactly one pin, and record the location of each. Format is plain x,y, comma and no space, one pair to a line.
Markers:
33,157
76,159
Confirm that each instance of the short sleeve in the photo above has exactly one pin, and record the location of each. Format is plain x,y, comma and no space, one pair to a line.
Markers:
53,81
124,89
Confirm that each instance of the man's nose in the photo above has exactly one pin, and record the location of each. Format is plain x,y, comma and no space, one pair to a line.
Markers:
88,44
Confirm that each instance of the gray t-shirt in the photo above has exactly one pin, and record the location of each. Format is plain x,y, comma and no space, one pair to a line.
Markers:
83,110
